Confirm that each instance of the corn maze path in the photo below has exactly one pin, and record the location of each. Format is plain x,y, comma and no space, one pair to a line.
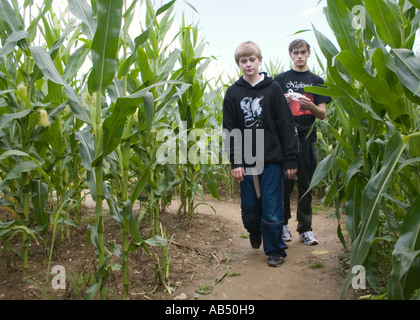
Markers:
308,273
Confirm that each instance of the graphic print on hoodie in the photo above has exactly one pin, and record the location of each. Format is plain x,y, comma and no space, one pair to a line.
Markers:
253,112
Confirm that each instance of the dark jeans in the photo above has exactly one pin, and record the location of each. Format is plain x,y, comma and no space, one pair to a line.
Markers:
307,161
264,216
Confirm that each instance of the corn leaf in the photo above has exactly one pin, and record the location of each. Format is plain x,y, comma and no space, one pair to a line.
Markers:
13,21
372,194
378,88
87,154
340,20
39,193
46,65
6,120
408,71
388,23
322,170
105,45
11,42
415,3
81,10
149,111
210,181
406,251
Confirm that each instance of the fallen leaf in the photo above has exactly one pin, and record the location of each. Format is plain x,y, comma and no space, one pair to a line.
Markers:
320,252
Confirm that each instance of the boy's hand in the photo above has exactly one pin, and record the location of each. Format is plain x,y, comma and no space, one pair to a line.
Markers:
305,102
291,173
238,174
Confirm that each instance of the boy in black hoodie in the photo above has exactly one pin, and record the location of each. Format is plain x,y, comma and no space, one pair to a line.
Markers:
261,139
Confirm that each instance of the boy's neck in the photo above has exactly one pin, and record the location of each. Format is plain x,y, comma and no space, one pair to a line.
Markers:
300,69
252,80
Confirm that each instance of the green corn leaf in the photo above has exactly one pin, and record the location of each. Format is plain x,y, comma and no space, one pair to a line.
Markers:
11,42
39,193
6,120
16,171
105,45
353,207
210,181
157,241
415,3
75,62
372,194
327,47
340,20
322,170
113,126
407,67
378,88
10,17
388,23
406,250
149,111
141,182
9,153
81,10
46,65
140,40
134,230
87,154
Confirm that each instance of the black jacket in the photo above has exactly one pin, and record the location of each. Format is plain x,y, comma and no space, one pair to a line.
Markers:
248,108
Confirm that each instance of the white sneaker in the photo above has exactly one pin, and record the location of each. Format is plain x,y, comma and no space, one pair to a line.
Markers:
308,238
286,235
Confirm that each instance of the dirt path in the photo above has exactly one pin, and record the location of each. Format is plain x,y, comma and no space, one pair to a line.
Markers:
211,251
308,273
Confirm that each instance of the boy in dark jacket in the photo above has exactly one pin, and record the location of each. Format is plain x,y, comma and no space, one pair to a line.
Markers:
261,139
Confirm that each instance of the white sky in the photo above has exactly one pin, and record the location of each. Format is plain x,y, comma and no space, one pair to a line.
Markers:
224,24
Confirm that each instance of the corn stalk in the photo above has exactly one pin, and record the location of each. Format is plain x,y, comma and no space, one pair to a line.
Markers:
373,78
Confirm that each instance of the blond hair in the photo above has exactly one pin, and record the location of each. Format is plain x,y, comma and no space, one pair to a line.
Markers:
247,49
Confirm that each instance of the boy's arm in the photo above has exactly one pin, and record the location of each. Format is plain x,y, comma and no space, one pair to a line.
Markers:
230,126
287,133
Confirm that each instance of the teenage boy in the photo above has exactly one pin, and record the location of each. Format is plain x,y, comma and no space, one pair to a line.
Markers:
305,108
259,126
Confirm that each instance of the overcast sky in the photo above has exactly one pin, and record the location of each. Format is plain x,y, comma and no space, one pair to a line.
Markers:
272,24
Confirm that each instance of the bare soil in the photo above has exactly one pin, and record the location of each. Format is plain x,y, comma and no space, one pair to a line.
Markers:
211,259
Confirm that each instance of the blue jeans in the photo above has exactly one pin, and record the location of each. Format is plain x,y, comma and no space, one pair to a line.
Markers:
264,217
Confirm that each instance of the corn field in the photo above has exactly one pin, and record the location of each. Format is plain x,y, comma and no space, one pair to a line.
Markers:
373,124
88,108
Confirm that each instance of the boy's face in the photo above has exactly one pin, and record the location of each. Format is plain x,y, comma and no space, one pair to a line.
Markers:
250,66
300,56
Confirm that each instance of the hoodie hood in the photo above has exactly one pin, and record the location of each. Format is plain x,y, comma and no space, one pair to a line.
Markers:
243,83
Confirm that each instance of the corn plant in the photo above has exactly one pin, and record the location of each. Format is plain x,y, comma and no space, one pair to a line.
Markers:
374,166
32,101
65,128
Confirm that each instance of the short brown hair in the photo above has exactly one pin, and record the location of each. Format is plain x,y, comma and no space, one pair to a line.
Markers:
299,43
247,49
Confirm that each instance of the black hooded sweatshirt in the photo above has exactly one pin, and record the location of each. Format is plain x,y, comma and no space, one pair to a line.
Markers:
247,109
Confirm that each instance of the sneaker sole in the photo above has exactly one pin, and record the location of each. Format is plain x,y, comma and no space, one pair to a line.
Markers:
274,265
312,243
